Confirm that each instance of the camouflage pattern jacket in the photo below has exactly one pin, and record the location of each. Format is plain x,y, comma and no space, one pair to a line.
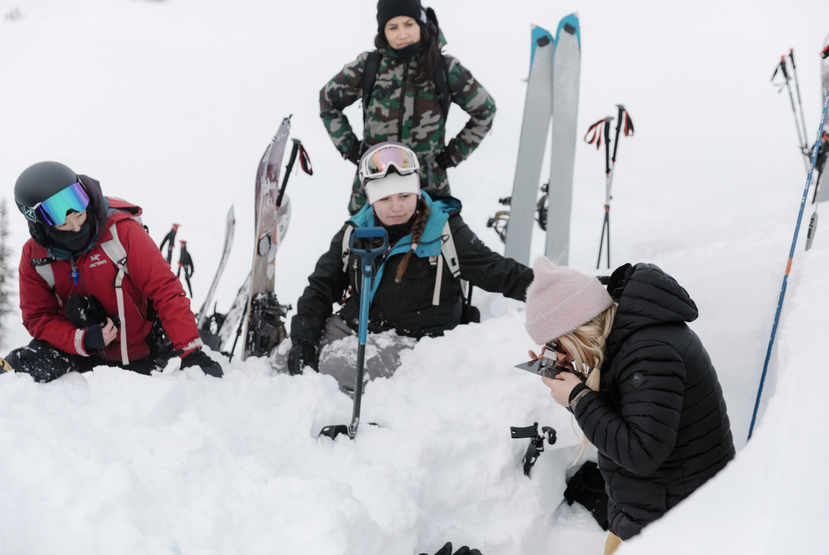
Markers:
416,120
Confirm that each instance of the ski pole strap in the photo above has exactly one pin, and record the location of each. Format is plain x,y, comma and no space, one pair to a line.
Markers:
595,134
628,124
781,67
305,160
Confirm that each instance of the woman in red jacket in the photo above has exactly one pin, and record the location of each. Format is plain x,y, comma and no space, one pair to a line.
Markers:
70,271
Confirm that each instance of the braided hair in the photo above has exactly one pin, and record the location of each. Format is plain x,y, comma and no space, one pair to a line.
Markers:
417,230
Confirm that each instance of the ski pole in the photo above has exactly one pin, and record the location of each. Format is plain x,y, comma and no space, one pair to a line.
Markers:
304,162
596,129
781,67
799,103
623,113
788,266
238,332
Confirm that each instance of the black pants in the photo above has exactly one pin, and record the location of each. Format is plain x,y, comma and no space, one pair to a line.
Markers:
45,363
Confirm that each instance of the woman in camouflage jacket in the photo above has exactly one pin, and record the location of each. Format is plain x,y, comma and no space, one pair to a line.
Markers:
404,103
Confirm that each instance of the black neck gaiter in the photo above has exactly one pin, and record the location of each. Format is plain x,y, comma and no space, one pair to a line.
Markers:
73,242
408,51
398,231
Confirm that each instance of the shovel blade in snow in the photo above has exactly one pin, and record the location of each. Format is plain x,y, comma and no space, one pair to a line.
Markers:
334,431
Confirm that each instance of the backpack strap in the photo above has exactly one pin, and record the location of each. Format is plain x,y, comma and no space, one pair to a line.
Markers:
116,252
346,248
448,253
441,79
370,69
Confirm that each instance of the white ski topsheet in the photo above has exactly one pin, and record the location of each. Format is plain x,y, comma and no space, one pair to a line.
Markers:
537,111
227,333
229,232
566,75
263,271
824,90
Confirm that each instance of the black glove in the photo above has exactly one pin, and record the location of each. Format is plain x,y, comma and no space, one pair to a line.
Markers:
444,160
300,356
200,359
447,550
354,156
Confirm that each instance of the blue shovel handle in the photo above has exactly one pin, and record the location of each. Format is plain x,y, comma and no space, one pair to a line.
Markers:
368,255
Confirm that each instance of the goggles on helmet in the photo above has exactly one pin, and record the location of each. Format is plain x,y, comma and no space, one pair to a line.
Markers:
52,211
377,164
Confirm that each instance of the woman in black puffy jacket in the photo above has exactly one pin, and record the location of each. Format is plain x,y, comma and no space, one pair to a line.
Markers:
638,381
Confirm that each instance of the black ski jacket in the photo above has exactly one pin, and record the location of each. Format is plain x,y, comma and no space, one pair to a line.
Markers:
407,306
659,420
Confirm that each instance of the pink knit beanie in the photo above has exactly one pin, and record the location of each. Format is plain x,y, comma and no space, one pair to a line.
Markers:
561,299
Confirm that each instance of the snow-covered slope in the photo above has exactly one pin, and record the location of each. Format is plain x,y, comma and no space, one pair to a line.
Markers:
170,105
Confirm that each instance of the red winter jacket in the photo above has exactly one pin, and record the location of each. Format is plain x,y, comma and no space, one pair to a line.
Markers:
150,277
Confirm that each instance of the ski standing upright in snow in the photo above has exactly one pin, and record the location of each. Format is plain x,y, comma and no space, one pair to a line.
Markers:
552,92
822,193
536,123
566,78
230,227
264,328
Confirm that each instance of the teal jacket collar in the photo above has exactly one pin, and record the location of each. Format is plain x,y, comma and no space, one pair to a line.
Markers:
429,244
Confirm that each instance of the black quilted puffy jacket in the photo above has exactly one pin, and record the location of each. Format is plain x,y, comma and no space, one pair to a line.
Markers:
659,420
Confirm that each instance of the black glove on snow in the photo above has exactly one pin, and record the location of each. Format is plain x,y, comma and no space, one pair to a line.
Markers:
93,339
447,550
300,356
444,160
200,359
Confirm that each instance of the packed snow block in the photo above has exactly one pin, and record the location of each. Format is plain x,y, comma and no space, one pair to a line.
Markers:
135,398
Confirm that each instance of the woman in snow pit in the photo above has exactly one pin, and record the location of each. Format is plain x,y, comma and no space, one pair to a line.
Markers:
406,86
414,292
638,381
68,277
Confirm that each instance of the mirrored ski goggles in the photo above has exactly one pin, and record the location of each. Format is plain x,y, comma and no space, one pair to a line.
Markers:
52,211
377,164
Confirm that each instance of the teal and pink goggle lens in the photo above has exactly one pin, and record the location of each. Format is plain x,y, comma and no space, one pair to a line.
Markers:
377,164
53,210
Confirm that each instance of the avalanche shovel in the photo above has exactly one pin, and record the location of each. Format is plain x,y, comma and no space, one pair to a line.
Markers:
367,255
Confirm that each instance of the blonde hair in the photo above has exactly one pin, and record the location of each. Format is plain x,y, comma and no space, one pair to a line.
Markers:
586,345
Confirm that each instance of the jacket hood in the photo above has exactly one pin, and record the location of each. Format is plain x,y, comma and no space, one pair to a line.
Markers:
647,296
96,214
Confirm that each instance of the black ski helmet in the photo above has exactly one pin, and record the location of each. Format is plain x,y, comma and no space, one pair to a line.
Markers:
39,182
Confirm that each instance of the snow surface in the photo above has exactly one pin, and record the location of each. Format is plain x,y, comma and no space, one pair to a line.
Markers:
171,104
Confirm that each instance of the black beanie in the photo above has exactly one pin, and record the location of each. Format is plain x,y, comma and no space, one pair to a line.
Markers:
388,9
